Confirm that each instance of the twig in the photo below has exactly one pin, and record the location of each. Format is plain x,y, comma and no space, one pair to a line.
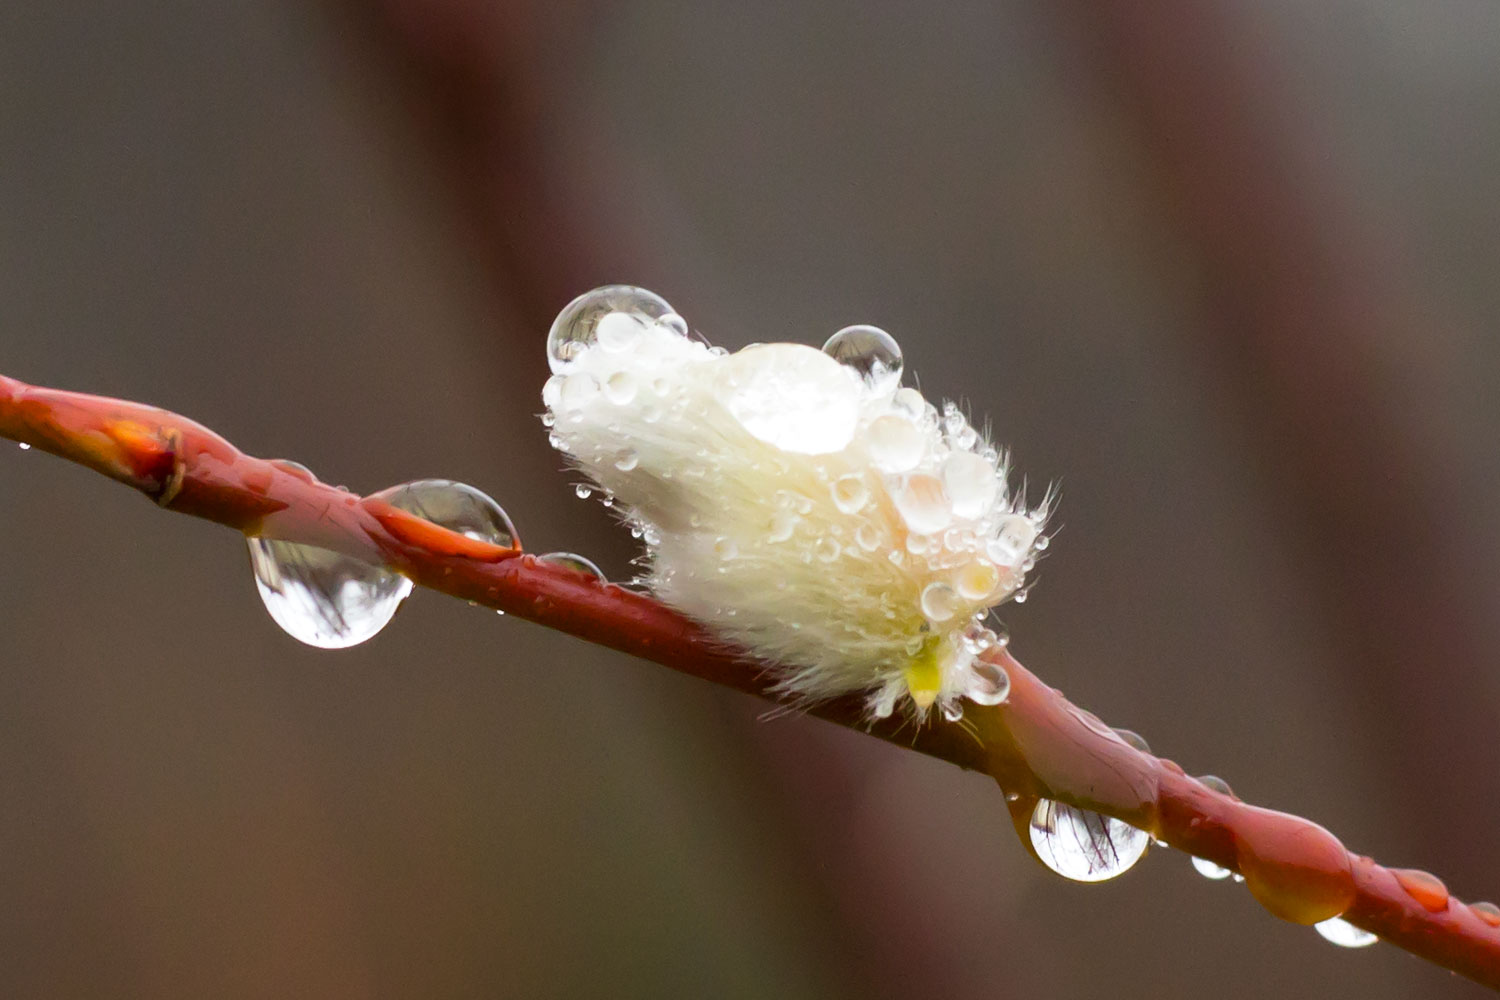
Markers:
1036,744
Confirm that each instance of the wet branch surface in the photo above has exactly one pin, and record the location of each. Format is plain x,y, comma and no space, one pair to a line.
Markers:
1036,744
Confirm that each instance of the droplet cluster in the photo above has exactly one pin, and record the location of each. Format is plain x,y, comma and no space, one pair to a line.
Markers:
800,502
334,600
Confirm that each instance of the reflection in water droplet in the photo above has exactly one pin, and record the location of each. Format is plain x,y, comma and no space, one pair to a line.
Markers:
1208,869
1344,934
611,316
871,352
455,506
574,562
1084,846
582,491
324,598
953,710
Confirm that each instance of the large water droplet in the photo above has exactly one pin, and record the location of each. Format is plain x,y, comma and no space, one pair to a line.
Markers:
971,483
895,443
1344,934
871,352
923,504
1134,739
989,684
850,493
456,506
1425,887
1084,846
1209,870
939,602
574,562
792,397
1013,539
611,316
324,598
1216,783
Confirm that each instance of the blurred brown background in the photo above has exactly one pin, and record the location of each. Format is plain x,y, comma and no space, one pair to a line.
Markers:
1226,269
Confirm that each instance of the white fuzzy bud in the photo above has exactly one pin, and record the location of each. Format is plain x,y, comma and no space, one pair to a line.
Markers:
796,502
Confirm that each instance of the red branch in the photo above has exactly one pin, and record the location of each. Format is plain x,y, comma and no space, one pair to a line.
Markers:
1036,744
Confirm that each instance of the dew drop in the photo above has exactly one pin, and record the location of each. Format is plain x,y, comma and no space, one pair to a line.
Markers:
827,550
1488,912
867,536
1084,846
1209,870
574,562
792,397
1217,784
923,504
989,684
850,493
895,443
783,523
976,581
725,548
1344,934
324,598
1134,739
953,710
939,602
1012,541
582,491
871,352
578,391
620,388
675,323
582,322
455,506
971,483
628,461
1425,887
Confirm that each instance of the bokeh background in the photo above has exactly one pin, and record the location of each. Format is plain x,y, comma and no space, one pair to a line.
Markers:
1225,269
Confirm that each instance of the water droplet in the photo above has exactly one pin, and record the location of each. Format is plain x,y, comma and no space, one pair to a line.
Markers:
455,506
953,710
1344,934
827,550
1217,784
581,323
574,562
923,504
25,446
1488,912
1012,541
578,391
976,581
783,523
675,323
939,602
895,444
582,491
1135,739
725,548
1084,846
792,397
627,461
867,537
1209,870
850,493
1425,887
871,352
971,483
989,684
324,598
620,388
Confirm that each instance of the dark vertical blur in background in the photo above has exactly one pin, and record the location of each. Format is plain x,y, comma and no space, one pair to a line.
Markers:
1226,269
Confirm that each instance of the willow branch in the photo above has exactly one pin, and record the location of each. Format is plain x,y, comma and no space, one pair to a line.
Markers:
1037,744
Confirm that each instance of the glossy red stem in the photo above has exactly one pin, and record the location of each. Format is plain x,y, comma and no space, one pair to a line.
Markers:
1035,744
